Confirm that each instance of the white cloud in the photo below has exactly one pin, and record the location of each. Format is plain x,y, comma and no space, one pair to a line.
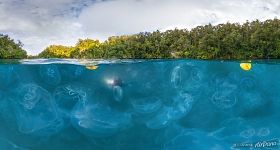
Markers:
38,23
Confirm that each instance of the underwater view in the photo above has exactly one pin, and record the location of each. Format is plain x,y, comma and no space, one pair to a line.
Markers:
179,104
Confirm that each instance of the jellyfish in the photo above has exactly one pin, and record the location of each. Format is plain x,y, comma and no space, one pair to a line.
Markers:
98,120
223,100
248,133
248,83
181,105
225,94
160,120
50,74
35,111
72,72
238,129
186,76
146,105
194,139
67,96
264,131
176,76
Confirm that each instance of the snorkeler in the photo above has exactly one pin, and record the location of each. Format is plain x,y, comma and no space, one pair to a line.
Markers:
116,85
115,82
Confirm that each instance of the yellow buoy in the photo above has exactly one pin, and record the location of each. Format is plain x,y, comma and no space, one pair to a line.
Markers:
246,66
92,67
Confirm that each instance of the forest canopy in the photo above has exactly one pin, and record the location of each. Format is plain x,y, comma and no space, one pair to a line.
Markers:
251,40
9,49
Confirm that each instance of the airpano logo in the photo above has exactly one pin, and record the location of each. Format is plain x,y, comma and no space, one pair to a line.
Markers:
268,144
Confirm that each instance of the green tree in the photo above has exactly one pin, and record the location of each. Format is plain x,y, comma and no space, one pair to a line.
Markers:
9,49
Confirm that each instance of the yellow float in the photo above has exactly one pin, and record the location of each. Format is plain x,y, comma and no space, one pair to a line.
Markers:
246,66
93,67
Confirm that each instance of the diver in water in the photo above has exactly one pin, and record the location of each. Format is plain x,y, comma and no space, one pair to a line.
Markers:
116,84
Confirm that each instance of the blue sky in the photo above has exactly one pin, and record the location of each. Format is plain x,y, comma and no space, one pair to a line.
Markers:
39,23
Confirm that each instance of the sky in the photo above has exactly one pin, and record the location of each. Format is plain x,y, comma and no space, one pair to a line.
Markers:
39,23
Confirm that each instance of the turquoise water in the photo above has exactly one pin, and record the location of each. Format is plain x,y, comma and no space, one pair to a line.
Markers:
139,105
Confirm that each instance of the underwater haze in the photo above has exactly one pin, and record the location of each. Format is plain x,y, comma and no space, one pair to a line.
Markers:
140,105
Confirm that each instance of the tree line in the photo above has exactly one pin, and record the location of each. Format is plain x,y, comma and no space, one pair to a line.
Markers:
9,49
251,40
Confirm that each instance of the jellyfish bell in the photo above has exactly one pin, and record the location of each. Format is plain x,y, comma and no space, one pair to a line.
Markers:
225,92
181,105
248,83
98,120
35,111
263,131
160,120
223,100
67,96
72,72
31,95
176,76
50,74
193,139
186,76
146,105
246,130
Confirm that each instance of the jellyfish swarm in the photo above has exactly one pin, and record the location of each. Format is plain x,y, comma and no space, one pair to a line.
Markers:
98,120
35,111
50,74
